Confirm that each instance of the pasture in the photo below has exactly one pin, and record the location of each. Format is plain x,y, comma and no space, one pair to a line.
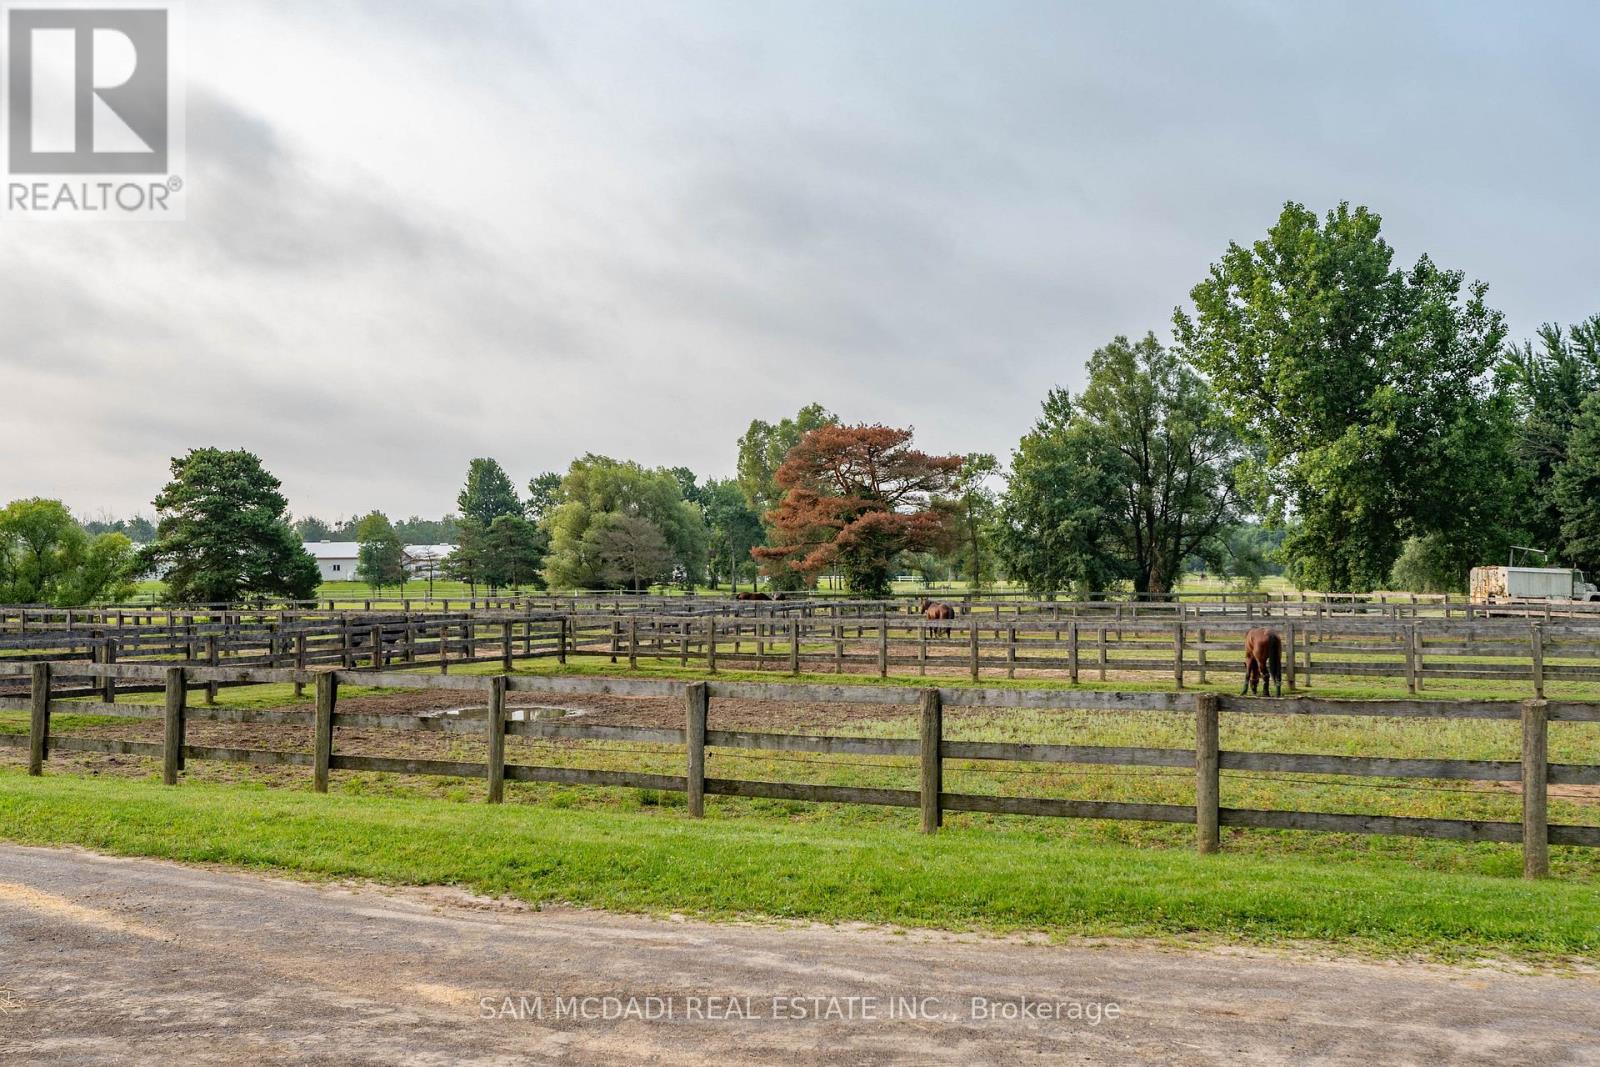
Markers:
1401,793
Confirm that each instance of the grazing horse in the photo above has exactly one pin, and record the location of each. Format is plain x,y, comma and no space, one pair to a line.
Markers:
1263,658
751,596
935,610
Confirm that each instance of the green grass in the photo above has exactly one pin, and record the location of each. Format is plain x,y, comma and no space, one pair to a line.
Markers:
656,860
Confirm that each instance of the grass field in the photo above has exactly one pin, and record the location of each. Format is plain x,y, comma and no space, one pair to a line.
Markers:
639,851
980,877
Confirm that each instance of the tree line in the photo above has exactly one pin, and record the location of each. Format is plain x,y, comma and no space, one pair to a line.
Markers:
1318,408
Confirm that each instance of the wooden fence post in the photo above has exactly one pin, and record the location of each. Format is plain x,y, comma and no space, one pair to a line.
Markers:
299,662
497,738
1536,650
794,645
1177,653
1011,652
633,642
376,637
883,644
1207,777
1409,636
1200,653
176,704
561,640
696,705
972,644
444,648
507,646
1417,665
711,644
1293,655
108,685
932,764
1072,651
1535,794
322,742
39,720
213,659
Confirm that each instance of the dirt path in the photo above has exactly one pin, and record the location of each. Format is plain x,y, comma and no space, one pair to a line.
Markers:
106,959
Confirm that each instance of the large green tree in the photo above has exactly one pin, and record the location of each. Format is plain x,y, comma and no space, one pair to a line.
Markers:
47,558
1577,489
1547,382
544,493
223,532
488,494
596,487
733,529
381,558
975,509
1134,477
1364,388
1168,451
1054,530
513,553
631,550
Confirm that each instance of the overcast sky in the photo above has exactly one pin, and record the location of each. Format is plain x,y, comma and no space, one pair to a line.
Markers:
422,232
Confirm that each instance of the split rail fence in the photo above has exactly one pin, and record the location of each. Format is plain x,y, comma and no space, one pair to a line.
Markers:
931,749
847,639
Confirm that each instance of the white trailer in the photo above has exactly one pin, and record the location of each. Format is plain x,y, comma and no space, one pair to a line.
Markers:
1490,584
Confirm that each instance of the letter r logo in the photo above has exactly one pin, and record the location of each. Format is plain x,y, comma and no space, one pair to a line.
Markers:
87,90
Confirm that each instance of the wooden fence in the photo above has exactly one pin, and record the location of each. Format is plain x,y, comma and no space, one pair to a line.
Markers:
25,618
854,639
931,749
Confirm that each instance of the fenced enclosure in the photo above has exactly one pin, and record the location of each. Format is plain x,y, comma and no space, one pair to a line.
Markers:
931,752
1184,644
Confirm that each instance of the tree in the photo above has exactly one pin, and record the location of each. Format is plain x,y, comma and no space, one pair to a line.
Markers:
733,528
488,493
381,558
762,450
856,497
1426,566
1054,530
1546,385
1169,453
47,558
544,494
629,550
223,533
513,553
1577,489
419,531
975,513
312,528
598,486
470,561
137,529
1363,388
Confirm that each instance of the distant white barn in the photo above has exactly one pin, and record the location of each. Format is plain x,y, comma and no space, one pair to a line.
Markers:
338,560
335,559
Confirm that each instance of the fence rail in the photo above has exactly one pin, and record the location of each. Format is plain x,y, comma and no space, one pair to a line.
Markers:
851,639
931,749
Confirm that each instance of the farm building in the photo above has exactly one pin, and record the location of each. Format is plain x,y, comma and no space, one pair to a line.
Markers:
338,560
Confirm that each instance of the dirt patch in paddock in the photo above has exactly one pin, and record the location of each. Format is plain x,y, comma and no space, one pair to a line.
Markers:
608,710
603,710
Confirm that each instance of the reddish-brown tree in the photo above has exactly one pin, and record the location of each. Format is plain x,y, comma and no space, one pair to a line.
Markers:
854,497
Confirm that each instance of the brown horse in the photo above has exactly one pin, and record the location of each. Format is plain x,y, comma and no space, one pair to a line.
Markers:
751,596
1263,658
937,611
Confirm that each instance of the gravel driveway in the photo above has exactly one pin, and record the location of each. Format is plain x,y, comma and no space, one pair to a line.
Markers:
105,959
